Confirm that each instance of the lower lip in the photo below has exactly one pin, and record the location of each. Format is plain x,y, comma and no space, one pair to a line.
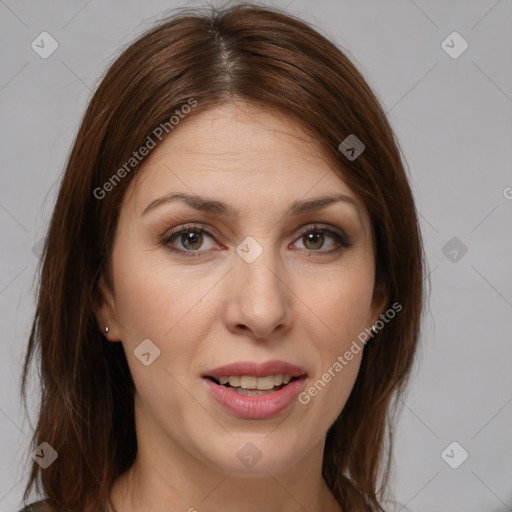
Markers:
255,407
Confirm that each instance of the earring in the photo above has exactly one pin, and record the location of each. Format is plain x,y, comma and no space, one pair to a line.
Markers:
106,330
374,329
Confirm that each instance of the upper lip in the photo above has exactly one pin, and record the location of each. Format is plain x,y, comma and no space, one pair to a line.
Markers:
255,369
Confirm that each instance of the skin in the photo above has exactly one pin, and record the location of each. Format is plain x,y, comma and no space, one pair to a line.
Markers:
292,303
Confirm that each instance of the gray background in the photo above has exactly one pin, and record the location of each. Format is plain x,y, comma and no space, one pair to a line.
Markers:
453,119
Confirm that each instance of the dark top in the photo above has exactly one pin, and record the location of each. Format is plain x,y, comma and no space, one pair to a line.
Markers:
37,506
42,506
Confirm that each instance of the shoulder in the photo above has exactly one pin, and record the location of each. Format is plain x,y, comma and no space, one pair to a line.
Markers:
37,506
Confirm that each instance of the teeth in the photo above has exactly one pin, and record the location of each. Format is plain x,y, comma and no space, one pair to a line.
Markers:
262,383
252,382
234,381
252,392
247,382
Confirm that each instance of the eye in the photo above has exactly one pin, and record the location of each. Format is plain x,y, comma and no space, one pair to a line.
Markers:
191,239
314,238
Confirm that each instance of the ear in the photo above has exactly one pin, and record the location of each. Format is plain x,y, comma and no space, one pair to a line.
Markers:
105,310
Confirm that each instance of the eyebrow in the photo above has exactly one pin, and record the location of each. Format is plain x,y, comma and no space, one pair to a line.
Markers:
219,208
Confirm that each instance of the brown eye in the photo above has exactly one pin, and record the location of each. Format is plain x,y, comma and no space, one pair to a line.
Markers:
315,238
192,239
189,241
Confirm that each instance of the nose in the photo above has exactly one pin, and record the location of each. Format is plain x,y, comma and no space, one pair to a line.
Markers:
258,297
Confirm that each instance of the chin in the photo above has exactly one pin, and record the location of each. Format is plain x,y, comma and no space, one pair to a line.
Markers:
250,455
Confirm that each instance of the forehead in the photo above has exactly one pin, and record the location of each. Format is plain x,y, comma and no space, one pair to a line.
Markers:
241,153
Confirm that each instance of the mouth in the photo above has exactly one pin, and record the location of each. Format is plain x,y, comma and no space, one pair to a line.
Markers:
250,385
255,390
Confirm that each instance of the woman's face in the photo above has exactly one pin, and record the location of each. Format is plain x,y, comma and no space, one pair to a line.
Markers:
269,286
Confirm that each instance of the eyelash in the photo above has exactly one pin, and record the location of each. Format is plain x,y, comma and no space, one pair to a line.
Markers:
343,241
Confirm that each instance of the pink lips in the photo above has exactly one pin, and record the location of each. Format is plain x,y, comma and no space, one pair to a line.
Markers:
256,407
257,369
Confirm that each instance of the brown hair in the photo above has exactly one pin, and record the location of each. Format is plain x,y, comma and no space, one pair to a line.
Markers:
256,54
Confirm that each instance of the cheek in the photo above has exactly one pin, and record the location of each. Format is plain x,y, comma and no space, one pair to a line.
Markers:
342,303
152,297
338,354
157,301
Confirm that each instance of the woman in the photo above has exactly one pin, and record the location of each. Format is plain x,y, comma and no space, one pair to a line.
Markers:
232,281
